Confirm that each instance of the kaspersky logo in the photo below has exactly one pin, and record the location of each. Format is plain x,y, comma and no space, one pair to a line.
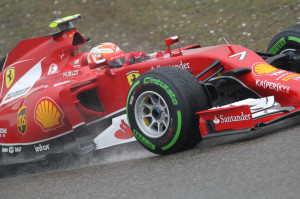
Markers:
9,77
21,120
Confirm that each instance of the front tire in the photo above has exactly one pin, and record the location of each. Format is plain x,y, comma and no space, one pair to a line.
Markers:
288,42
161,107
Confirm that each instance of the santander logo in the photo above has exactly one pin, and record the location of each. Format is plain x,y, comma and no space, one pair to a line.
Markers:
232,118
216,120
124,132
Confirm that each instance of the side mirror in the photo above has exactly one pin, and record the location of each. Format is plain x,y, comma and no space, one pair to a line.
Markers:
170,41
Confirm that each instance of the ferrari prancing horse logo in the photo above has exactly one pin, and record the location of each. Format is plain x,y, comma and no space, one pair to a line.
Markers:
132,76
9,77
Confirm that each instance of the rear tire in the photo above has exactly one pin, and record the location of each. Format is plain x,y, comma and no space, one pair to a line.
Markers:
161,107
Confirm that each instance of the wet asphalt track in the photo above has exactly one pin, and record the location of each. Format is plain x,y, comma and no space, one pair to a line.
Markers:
264,164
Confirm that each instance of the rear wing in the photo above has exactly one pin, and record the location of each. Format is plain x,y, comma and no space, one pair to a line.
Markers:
65,24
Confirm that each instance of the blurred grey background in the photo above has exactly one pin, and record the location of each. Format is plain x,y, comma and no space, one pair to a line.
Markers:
144,24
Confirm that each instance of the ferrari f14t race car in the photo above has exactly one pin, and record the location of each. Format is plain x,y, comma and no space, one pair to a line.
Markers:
54,99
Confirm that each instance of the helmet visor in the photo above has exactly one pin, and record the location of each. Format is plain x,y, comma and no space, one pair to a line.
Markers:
117,62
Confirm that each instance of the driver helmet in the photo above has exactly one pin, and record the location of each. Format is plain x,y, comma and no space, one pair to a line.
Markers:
109,51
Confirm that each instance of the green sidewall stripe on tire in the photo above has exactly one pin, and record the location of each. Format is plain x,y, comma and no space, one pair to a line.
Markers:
177,132
276,48
280,43
296,39
127,101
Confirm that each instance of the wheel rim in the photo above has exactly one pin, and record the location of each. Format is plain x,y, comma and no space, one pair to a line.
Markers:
287,50
152,114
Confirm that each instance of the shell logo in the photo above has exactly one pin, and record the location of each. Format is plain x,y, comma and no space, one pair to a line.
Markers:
48,114
263,68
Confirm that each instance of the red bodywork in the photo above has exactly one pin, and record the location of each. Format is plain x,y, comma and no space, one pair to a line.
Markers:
42,78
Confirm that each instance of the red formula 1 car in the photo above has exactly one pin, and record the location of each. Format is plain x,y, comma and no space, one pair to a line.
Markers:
52,100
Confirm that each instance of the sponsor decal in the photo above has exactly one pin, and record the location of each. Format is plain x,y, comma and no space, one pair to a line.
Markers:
61,56
297,78
71,73
241,54
263,69
232,118
76,63
11,149
48,115
3,132
259,69
290,76
21,120
124,132
117,133
104,50
17,94
132,76
53,69
9,76
24,84
164,86
182,65
285,76
279,73
272,86
216,120
143,140
41,148
4,150
225,118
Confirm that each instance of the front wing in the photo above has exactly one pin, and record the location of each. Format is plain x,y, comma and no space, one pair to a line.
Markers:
242,116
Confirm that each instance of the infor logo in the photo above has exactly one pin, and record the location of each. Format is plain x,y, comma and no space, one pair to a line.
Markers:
21,120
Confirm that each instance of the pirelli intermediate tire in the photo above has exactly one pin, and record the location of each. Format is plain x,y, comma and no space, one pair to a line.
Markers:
286,40
161,107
